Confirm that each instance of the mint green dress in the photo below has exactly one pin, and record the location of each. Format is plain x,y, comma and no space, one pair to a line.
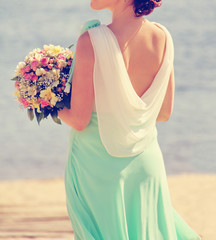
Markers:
115,179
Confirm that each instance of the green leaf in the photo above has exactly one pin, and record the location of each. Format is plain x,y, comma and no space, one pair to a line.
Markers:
39,116
71,46
68,57
54,115
60,105
30,114
46,112
67,100
15,78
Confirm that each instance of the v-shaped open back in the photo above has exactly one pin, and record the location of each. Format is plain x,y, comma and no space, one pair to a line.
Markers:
126,121
161,65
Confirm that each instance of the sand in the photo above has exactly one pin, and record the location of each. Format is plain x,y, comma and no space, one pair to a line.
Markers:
36,209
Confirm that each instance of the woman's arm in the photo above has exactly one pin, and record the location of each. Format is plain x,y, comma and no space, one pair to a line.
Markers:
167,106
82,97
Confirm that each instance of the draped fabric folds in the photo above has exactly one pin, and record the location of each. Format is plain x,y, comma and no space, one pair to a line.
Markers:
126,121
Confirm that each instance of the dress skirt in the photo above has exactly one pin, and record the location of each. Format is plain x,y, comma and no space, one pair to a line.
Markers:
119,198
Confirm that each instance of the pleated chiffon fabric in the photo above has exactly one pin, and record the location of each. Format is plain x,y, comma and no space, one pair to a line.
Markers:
119,108
120,192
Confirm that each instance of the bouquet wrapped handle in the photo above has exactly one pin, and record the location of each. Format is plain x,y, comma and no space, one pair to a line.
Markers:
85,27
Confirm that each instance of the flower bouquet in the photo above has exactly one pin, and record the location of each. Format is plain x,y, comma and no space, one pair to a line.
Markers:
41,82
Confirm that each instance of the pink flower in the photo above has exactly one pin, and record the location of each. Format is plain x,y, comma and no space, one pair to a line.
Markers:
17,85
27,68
59,89
51,61
50,66
34,77
62,57
43,51
64,81
69,62
24,102
44,61
27,76
59,65
34,64
23,71
44,103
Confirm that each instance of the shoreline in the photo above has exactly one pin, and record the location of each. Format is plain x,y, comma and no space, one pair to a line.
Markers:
36,208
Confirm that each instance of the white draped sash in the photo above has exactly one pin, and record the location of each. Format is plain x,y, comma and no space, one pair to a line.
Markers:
127,123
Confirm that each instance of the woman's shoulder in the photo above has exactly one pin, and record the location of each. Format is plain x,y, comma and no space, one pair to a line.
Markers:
84,38
159,33
156,29
159,30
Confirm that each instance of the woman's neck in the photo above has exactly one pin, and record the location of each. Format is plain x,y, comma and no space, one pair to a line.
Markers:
124,15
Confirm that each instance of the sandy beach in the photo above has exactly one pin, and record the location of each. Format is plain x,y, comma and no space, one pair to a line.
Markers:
36,209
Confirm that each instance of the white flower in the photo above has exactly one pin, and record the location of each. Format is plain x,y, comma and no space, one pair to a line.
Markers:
55,84
31,54
21,64
19,67
26,58
38,56
49,75
40,71
41,79
56,72
32,90
67,88
30,59
36,50
46,47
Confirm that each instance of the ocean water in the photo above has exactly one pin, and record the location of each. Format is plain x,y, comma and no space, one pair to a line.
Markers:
187,140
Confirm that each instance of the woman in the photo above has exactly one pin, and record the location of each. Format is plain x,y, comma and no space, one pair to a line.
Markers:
123,82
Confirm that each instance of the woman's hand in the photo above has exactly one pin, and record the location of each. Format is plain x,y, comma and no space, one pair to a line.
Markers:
82,97
167,106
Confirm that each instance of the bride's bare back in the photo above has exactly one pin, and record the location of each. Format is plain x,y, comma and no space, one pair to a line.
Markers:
142,48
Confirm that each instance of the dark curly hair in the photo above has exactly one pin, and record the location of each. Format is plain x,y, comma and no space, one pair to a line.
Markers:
145,7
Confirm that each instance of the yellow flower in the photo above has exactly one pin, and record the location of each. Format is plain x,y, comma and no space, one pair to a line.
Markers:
53,50
48,95
16,95
36,105
56,50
